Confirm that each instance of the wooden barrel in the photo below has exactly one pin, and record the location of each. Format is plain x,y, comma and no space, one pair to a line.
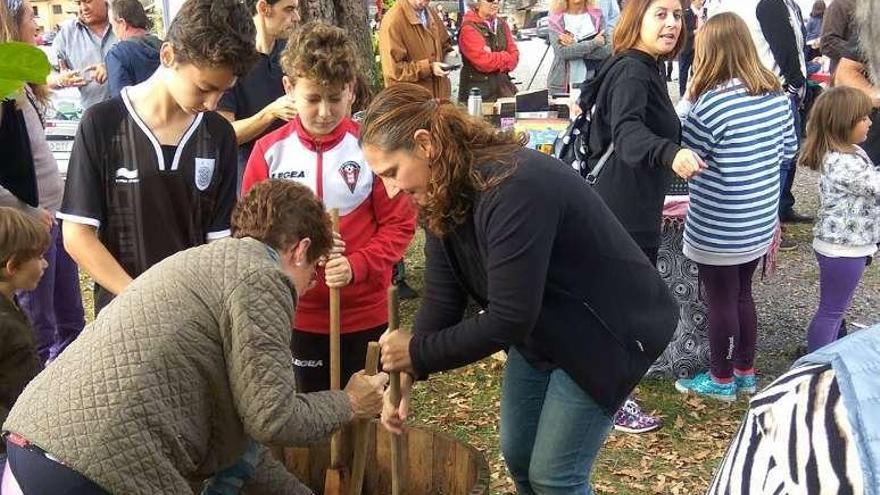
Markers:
434,463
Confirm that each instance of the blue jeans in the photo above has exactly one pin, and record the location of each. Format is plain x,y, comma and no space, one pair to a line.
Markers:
787,168
551,430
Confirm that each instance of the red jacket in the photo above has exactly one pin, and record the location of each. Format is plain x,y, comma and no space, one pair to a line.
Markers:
376,229
473,46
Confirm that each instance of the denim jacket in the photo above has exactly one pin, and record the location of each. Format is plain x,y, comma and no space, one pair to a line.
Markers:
857,368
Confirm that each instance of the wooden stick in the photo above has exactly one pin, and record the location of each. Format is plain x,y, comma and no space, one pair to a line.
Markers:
396,453
362,429
334,481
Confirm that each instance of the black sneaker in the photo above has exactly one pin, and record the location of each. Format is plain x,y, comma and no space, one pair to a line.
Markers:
787,244
404,291
792,216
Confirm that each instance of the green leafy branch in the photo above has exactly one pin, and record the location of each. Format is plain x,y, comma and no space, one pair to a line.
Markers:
21,63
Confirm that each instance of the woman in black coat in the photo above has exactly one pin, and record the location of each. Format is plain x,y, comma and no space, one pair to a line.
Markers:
564,289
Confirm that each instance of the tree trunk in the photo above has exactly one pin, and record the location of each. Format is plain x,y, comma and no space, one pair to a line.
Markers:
350,15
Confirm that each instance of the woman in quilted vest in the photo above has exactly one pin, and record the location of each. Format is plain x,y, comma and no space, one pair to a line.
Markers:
188,370
488,52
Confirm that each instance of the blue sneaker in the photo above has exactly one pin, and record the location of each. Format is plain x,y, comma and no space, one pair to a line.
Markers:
746,384
704,385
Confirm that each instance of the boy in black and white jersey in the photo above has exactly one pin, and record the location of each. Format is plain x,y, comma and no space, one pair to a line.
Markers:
153,171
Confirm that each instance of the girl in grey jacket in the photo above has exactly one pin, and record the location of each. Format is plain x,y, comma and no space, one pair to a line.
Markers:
847,226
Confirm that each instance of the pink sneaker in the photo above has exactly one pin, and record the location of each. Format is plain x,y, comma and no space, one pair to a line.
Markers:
630,419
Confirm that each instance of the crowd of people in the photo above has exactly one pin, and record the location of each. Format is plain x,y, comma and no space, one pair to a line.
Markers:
197,198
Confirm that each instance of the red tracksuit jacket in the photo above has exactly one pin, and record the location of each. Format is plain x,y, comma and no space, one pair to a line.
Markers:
376,229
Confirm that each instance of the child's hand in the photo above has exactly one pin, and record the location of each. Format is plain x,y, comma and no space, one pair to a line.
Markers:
337,272
47,218
687,164
282,108
566,39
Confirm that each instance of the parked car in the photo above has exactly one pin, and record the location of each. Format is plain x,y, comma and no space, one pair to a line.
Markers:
530,28
62,121
542,29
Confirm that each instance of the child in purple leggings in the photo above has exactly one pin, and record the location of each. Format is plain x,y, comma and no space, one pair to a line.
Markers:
847,226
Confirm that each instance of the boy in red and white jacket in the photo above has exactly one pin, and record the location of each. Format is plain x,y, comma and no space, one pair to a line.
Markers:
319,148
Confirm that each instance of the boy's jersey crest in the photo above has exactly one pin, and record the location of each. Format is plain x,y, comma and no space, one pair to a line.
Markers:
350,172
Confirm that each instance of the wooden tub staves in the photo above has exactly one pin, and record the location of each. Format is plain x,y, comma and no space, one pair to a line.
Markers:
434,463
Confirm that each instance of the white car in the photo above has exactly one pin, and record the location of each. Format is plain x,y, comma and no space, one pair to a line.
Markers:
62,121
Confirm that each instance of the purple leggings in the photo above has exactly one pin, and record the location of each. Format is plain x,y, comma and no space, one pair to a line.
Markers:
838,280
55,306
733,323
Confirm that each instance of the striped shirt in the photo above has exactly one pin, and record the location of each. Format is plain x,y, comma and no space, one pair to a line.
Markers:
734,202
796,439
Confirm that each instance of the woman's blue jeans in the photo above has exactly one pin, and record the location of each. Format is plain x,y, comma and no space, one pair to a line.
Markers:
551,430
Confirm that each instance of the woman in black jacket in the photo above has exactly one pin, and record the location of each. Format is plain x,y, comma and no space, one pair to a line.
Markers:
635,113
563,287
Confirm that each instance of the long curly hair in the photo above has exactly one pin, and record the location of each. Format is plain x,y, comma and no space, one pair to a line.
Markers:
460,144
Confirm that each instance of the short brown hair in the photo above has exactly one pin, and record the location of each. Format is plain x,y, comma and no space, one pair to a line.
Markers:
723,50
280,213
132,12
322,53
214,34
628,31
22,237
832,119
460,144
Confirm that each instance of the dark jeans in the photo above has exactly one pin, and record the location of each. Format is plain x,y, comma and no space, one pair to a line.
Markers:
37,475
733,322
788,168
838,280
311,357
55,306
684,68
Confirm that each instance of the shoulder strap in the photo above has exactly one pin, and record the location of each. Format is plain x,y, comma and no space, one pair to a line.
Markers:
590,89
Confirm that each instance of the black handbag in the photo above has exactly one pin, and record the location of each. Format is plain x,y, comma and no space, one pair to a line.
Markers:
571,147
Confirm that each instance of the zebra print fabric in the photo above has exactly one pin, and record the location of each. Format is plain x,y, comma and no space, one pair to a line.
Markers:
796,439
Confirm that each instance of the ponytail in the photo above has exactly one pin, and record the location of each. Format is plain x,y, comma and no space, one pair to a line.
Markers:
460,143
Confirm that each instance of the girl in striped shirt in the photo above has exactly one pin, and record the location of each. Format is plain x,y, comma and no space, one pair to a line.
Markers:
741,125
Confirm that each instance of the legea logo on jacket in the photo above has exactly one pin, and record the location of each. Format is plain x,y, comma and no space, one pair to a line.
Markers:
350,172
